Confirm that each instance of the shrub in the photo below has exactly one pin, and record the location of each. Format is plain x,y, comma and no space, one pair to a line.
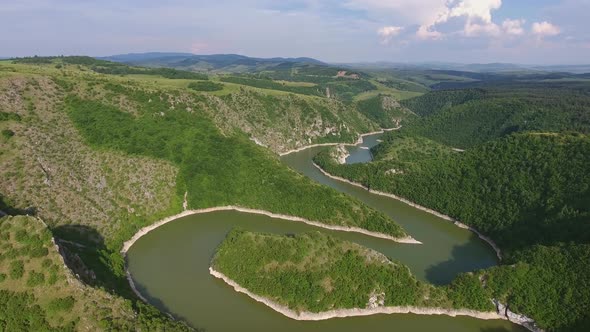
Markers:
46,263
205,86
38,251
7,133
52,278
35,279
17,269
61,304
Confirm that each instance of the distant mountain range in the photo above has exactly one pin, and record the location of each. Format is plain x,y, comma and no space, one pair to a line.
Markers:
235,63
473,67
214,62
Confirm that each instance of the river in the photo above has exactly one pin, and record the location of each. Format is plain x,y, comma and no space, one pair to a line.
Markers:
170,264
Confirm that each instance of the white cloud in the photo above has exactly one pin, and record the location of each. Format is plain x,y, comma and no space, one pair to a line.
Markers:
476,29
428,14
424,32
478,14
387,33
545,29
513,27
475,9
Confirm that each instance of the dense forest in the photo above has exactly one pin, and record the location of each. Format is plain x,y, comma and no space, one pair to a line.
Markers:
315,272
466,118
530,192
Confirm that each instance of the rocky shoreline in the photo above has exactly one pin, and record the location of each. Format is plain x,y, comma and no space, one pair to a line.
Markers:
419,207
147,229
359,141
501,313
341,313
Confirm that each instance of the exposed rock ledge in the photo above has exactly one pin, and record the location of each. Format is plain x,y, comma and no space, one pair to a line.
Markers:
340,154
522,320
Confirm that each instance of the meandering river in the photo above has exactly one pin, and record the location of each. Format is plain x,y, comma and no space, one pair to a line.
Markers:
170,264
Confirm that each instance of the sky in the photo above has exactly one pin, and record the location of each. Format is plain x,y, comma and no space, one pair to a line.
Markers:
459,31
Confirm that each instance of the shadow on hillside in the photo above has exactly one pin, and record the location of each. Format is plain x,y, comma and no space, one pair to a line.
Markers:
86,254
464,258
7,208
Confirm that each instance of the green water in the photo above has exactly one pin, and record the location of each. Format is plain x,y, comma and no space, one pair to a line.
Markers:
170,264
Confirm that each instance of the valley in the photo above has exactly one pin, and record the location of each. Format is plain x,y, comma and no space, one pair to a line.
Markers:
139,174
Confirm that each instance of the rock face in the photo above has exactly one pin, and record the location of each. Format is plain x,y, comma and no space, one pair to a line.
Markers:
393,171
523,320
340,153
376,300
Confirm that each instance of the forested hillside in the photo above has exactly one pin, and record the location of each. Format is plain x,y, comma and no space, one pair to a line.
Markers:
385,111
530,192
466,118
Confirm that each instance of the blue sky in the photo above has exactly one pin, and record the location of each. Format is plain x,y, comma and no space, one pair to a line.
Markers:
466,31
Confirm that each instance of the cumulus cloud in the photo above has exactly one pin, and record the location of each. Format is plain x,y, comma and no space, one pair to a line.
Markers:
475,9
545,29
477,14
424,32
428,15
513,27
476,29
387,33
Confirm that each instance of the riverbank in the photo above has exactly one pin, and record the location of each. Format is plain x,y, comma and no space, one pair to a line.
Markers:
419,207
341,313
358,141
147,229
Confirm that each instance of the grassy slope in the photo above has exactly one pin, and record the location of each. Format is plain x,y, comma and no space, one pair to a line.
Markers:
315,272
295,120
42,294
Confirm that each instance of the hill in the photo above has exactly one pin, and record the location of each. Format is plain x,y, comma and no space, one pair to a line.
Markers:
38,293
213,62
464,118
529,192
98,156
